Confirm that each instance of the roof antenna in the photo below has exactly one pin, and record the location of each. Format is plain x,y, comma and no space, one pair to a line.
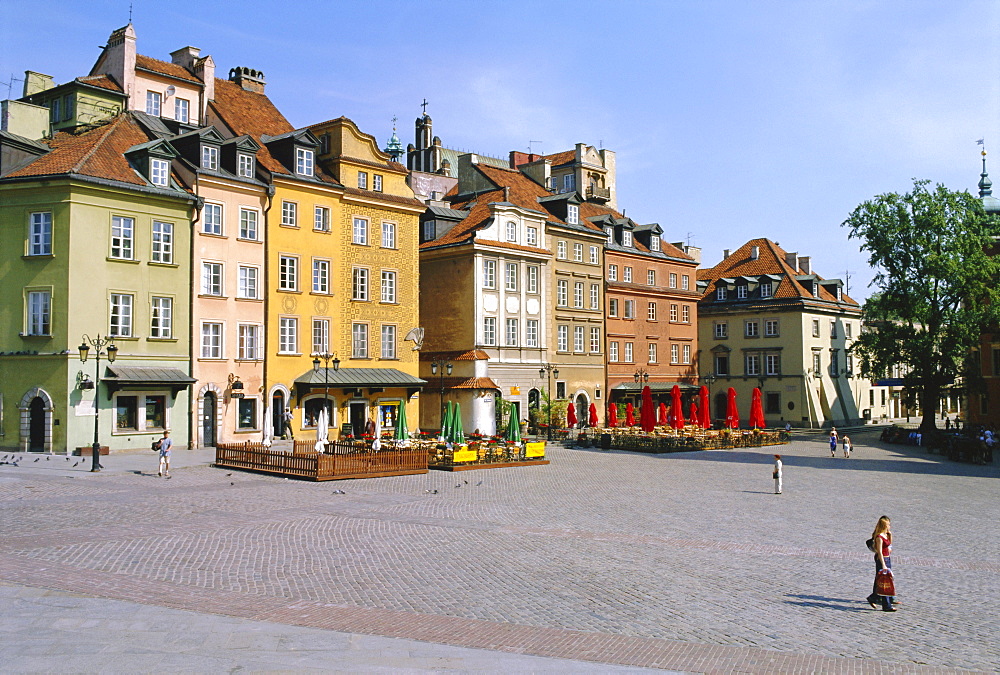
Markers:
130,12
847,282
689,238
530,151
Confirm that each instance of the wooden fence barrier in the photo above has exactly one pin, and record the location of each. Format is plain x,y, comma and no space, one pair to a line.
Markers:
343,460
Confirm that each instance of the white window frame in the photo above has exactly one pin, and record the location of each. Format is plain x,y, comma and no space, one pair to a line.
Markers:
304,162
288,335
595,296
159,172
686,354
629,309
721,292
629,352
751,328
387,342
612,272
212,278
751,363
245,165
510,332
772,364
613,351
321,276
154,103
510,277
321,219
595,340
771,328
560,250
39,312
489,273
388,287
249,224
578,295
121,314
685,282
161,317
672,280
377,182
532,279
579,338
765,289
162,243
742,291
562,293
182,108
577,252
249,345
40,233
210,157
359,231
490,331
721,330
388,234
531,333
288,273
213,334
511,231
612,306
595,256
673,312
627,274
212,219
626,239
248,282
531,236
685,313
360,284
651,311
562,338
123,243
362,180
320,336
651,349
650,277
289,213
573,214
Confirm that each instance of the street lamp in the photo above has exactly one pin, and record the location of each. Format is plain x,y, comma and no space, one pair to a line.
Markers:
442,366
327,359
547,372
98,343
640,376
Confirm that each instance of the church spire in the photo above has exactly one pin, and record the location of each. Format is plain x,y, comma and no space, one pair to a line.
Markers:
395,147
990,203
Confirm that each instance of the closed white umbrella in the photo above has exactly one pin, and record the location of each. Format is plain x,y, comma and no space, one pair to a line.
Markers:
322,430
268,432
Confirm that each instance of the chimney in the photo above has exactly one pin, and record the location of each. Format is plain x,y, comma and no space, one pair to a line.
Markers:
694,252
36,82
725,254
118,62
506,193
754,252
248,79
804,264
185,57
204,70
793,260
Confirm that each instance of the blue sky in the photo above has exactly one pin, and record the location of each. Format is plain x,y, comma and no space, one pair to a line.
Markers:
731,120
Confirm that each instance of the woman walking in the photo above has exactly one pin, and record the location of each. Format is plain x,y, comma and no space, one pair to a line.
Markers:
776,474
847,446
833,442
882,543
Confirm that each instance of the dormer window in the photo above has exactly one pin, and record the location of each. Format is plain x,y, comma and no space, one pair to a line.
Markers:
765,289
511,230
627,239
721,293
654,243
245,166
159,172
303,162
209,157
611,234
572,214
742,291
815,289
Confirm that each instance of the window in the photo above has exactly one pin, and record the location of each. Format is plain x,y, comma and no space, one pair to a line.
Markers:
321,219
833,330
359,341
628,352
562,338
161,324
510,276
248,285
289,214
288,335
321,276
817,363
489,331
489,274
248,224
531,333
847,331
360,233
651,352
156,411
685,314
629,309
654,243
721,329
685,282
849,364
610,232
569,182
211,278
650,277
39,313
613,351
531,238
362,180
562,293
388,234
720,292
209,157
771,328
303,162
613,307
126,413
246,414
153,100
428,230
561,250
742,290
578,338
772,364
511,230
159,172
612,272
834,365
751,329
578,295
532,278
377,182
753,364
211,340
67,107
40,234
651,311
320,336
686,351
722,364
360,284
765,289
121,315
245,165
577,252
674,353
388,333
140,413
250,346
673,312
595,296
815,330
560,389
388,286
573,214
54,110
626,239
211,219
595,340
288,273
510,332
594,255
627,278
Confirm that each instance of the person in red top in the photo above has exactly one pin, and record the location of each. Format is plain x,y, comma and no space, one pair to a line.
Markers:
882,537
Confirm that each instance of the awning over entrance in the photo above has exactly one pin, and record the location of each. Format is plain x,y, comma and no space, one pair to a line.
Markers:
133,377
354,380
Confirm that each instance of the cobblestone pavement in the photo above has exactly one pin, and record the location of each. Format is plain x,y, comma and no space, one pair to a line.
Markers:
685,561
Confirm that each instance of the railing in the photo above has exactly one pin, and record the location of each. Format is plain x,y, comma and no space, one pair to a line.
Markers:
615,439
344,459
594,192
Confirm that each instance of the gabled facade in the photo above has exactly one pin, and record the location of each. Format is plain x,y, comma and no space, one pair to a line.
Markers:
768,320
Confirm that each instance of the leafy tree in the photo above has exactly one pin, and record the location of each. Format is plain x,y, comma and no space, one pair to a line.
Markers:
936,286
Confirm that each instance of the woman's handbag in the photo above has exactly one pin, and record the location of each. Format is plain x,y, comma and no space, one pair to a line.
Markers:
774,475
884,583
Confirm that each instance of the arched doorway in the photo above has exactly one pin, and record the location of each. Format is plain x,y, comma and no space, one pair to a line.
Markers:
36,425
582,409
209,408
277,413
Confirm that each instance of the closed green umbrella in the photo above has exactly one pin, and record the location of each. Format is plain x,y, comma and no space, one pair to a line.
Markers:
458,433
513,429
402,433
446,422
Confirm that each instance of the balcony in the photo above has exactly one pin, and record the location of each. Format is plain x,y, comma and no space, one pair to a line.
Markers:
598,194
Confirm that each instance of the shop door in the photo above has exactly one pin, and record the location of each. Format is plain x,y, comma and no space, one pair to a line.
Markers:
36,425
359,415
208,419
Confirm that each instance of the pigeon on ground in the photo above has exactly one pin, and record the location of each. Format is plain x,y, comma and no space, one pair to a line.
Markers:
67,458
228,474
37,458
339,492
74,466
466,482
459,485
48,459
479,483
232,483
433,492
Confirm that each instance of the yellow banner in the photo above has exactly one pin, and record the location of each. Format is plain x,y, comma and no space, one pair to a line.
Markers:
536,449
465,456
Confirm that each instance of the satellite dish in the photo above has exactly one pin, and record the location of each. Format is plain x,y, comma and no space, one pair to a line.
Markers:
170,91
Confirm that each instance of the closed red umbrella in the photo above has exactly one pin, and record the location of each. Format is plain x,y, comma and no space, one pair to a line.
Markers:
593,421
706,416
629,415
756,411
693,413
732,413
647,416
676,408
612,415
662,417
571,415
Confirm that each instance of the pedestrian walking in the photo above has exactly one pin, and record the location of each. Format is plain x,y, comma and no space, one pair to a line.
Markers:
882,543
164,445
847,446
833,442
776,474
286,423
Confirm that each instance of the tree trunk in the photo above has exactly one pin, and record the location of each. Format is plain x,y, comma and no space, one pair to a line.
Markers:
928,407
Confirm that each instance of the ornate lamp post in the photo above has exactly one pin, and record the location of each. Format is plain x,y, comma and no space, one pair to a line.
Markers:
547,372
442,366
326,358
98,343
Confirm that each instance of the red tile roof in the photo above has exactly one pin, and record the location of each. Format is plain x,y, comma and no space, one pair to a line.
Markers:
164,68
561,157
246,112
101,81
591,210
467,355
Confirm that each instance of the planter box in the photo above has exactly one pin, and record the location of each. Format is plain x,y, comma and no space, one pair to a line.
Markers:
89,450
